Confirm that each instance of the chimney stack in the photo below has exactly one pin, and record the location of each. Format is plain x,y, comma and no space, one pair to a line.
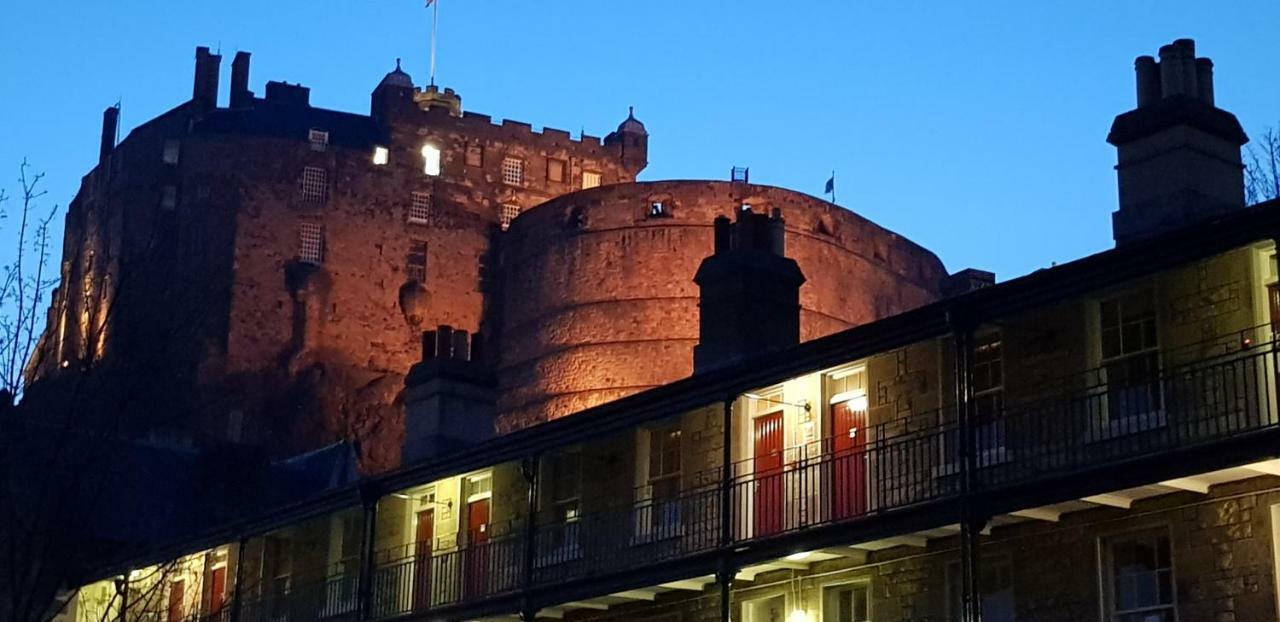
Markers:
205,92
750,292
241,96
110,126
1178,153
449,396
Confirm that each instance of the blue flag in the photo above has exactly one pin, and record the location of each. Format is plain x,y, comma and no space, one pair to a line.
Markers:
831,185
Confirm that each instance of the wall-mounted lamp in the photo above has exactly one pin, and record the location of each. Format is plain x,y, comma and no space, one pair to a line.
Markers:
801,404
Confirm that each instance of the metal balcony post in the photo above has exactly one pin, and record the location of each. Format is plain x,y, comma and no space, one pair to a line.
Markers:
971,521
364,584
725,573
529,468
237,593
122,586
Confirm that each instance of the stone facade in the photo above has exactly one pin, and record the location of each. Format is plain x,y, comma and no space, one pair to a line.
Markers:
288,258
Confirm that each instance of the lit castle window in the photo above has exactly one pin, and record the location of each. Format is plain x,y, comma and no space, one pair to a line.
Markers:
380,156
430,160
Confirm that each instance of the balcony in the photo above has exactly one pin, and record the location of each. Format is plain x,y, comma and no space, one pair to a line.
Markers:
1053,450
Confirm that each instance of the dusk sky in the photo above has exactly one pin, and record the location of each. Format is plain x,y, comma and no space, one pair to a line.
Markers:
975,129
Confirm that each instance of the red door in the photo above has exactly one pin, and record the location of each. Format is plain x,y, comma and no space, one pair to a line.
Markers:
424,541
217,591
176,590
849,477
477,566
769,491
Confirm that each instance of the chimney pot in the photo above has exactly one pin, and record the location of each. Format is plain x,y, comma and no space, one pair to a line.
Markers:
241,96
110,125
1148,80
204,93
1204,80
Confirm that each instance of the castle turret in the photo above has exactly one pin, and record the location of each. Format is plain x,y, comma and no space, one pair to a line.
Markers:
393,96
241,96
631,140
1178,154
749,290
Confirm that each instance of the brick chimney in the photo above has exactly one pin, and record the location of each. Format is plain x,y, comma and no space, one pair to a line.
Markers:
110,125
1178,154
449,396
241,96
204,95
750,292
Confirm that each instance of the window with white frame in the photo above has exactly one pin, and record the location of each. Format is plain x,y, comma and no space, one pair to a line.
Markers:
1137,576
1130,357
590,179
564,479
381,155
846,602
431,160
512,171
420,207
988,394
311,243
663,479
172,151
509,213
416,262
315,184
277,570
319,139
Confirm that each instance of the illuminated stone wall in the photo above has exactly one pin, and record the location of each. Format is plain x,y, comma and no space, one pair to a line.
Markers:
600,296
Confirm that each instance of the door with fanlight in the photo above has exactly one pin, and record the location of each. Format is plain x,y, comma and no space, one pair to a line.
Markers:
770,486
478,554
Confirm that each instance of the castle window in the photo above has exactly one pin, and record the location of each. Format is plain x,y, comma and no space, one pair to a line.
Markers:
475,154
590,179
420,207
169,197
513,171
315,184
658,209
416,262
556,169
172,150
311,243
381,155
509,213
319,139
430,160
746,207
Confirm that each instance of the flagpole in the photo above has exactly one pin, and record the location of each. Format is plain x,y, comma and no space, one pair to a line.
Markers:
435,21
833,187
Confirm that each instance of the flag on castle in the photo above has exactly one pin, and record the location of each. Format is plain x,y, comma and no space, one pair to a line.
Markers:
831,187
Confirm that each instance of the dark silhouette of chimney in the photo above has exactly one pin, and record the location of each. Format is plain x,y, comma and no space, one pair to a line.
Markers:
204,94
750,292
241,96
110,125
449,396
1178,153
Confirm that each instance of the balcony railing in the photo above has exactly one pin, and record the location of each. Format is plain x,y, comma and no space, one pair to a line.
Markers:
1202,394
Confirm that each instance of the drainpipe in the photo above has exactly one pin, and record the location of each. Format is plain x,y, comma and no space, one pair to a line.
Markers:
971,521
529,468
364,581
236,594
725,573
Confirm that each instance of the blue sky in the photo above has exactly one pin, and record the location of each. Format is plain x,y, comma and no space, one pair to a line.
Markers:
975,129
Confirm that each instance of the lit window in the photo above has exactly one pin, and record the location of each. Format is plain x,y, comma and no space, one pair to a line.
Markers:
319,139
590,179
509,213
416,262
311,243
513,171
1130,357
169,197
381,155
315,184
849,602
556,169
172,150
1138,577
420,207
475,154
657,209
746,207
430,160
